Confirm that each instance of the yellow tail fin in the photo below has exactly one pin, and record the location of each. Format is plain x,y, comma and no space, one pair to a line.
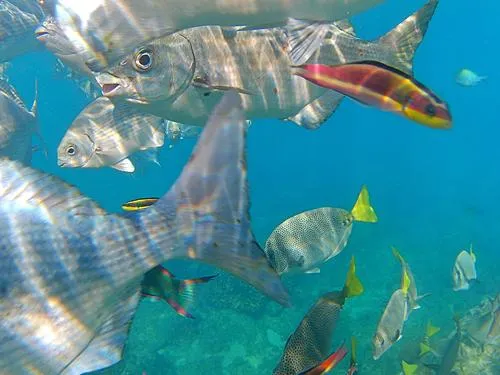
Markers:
424,349
431,330
362,210
353,286
408,369
396,253
473,256
406,282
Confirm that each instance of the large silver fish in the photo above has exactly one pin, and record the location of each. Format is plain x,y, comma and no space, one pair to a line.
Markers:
391,323
70,273
107,30
310,344
305,241
182,76
18,124
106,134
18,21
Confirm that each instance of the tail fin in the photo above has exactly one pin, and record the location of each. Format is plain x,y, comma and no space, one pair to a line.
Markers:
472,254
353,286
328,364
431,330
34,112
362,210
406,37
186,288
424,349
205,215
408,369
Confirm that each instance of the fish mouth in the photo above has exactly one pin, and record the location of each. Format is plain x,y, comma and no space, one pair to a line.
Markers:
41,32
61,163
108,88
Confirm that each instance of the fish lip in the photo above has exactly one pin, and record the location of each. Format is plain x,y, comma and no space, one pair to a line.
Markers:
61,164
41,32
110,84
108,88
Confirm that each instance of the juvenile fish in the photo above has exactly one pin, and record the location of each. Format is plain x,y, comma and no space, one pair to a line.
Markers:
18,124
161,284
182,76
307,348
467,77
305,241
106,134
107,30
71,273
464,270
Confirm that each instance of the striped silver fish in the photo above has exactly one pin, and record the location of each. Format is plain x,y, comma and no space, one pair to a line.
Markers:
107,30
182,76
18,124
106,134
18,21
70,273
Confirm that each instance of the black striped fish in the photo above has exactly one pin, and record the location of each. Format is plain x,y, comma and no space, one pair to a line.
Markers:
70,273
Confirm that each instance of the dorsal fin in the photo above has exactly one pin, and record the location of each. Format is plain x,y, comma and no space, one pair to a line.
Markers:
28,186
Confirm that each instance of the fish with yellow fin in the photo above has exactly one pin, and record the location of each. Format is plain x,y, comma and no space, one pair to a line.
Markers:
464,270
305,241
159,283
381,86
412,291
390,325
425,345
408,368
307,348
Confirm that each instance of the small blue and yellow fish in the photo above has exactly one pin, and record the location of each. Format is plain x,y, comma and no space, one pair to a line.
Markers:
466,77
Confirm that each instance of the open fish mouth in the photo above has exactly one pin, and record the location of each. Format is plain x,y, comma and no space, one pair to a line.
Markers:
41,33
109,88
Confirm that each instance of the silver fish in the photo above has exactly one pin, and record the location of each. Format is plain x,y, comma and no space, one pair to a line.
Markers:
464,270
305,241
17,125
182,76
106,134
107,30
17,24
176,131
391,323
70,273
310,344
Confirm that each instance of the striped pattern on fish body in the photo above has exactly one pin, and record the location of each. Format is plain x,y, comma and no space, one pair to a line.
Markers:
107,133
17,125
16,30
191,70
70,273
464,270
307,240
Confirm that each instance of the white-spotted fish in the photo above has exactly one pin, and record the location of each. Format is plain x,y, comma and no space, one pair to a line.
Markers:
307,350
107,30
105,134
305,241
70,273
182,76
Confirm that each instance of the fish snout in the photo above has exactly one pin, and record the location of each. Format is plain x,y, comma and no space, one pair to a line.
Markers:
110,85
41,33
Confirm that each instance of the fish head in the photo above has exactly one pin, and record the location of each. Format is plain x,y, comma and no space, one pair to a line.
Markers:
158,71
380,344
53,38
427,109
75,150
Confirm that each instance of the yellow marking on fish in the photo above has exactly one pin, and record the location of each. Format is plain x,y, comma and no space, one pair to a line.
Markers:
362,210
408,369
406,282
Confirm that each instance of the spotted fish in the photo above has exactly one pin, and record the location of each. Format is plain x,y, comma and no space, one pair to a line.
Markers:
70,273
310,344
305,241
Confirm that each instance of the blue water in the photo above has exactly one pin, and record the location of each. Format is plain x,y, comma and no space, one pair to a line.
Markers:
435,192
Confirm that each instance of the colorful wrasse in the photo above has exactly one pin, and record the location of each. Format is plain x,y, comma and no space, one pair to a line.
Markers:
381,86
160,283
329,363
138,204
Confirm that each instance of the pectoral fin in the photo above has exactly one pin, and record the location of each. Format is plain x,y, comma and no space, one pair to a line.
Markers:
304,38
124,165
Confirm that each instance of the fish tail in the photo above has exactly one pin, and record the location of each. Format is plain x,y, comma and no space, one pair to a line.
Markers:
34,112
431,330
407,36
353,286
186,287
328,364
205,216
408,369
472,254
362,210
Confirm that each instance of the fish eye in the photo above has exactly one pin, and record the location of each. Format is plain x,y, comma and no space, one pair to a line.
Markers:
144,60
71,150
430,109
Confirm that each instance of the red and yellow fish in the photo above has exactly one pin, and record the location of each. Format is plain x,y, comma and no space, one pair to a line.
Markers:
381,86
